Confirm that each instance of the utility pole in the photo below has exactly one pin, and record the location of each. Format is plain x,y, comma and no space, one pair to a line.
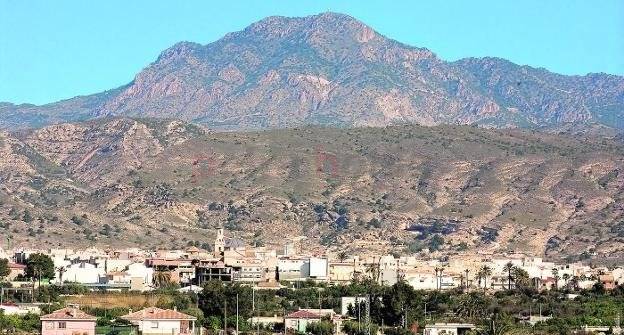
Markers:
225,319
320,309
320,313
257,318
368,320
405,310
236,313
357,301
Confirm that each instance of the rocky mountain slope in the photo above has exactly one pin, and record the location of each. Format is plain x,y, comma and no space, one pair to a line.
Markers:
404,189
331,69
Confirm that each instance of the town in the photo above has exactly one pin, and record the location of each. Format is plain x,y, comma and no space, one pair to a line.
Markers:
237,267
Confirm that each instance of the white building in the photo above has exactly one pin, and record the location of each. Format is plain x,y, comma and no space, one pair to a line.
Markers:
153,320
448,328
82,273
318,268
292,269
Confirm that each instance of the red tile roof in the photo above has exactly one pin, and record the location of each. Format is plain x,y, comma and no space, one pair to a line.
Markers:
139,315
15,266
154,313
301,314
68,313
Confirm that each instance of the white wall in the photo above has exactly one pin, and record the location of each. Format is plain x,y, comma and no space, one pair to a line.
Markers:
163,327
318,267
83,273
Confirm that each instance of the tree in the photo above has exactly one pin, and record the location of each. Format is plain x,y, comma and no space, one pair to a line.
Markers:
216,296
61,270
39,266
4,268
399,303
555,273
566,278
342,256
436,243
320,328
353,328
373,271
467,271
162,278
521,277
509,268
438,272
27,217
574,282
485,272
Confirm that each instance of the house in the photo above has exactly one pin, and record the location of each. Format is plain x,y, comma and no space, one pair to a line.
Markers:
68,321
292,269
448,328
181,271
299,320
15,270
268,285
341,271
153,320
82,273
607,281
266,321
139,276
9,308
600,330
299,269
212,269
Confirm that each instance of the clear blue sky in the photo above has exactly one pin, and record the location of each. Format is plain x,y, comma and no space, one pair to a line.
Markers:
51,50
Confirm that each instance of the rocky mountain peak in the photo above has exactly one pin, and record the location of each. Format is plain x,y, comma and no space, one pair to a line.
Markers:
179,50
332,69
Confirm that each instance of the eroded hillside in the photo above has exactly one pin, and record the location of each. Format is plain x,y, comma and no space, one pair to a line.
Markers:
396,189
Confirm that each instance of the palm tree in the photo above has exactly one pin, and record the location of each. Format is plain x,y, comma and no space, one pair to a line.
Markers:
509,268
373,270
537,282
342,256
521,277
162,278
555,273
479,278
484,272
565,278
61,270
467,271
574,282
438,271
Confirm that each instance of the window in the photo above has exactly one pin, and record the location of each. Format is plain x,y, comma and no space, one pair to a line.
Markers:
154,324
62,325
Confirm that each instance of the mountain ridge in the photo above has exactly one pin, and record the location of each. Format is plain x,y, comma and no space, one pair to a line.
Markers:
331,69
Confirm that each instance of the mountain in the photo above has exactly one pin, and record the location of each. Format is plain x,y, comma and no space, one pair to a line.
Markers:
331,69
162,183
